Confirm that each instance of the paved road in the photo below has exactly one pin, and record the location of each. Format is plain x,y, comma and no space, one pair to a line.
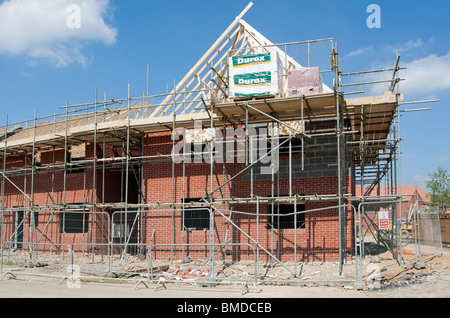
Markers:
31,288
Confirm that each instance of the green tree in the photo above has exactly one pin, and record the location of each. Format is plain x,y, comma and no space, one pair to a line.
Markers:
439,187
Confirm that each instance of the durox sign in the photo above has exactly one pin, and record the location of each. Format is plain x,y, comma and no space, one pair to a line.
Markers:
247,60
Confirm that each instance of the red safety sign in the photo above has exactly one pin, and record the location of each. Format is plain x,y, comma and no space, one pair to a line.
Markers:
383,220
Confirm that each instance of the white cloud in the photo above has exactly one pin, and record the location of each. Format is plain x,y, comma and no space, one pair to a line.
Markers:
38,29
360,51
427,75
410,45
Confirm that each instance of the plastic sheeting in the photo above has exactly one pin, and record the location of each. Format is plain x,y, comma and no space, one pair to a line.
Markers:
304,81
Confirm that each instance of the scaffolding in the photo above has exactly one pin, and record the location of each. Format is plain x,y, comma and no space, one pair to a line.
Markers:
108,139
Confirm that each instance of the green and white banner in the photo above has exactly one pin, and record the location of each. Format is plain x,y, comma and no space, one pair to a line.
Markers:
239,61
255,75
253,79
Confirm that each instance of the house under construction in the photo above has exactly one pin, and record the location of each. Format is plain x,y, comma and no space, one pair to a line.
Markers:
256,154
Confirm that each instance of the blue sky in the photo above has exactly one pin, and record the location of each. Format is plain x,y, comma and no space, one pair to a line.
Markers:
42,66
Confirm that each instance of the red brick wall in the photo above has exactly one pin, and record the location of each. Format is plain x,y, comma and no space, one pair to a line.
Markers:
318,241
48,189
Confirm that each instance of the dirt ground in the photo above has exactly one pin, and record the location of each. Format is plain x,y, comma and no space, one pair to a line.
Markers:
430,279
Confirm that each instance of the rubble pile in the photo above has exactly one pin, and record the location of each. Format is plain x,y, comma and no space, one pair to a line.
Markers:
175,272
